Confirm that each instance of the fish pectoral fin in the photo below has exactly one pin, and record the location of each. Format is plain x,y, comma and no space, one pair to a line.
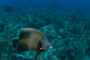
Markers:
41,48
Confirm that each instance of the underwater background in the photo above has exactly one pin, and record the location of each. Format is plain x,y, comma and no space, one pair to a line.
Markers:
66,23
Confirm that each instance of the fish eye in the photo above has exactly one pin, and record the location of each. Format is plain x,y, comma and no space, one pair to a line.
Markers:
48,43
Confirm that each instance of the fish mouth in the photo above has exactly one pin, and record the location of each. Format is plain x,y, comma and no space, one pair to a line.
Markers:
50,47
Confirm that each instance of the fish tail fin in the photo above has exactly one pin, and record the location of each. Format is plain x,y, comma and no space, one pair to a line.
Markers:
15,43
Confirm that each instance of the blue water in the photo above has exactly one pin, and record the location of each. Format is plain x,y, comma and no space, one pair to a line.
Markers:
66,23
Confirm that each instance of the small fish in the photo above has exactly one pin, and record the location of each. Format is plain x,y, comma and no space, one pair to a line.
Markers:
31,39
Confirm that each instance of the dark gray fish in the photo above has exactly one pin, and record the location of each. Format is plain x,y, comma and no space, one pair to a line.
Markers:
31,39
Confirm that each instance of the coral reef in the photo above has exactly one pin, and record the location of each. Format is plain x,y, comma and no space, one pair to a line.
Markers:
68,34
9,9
